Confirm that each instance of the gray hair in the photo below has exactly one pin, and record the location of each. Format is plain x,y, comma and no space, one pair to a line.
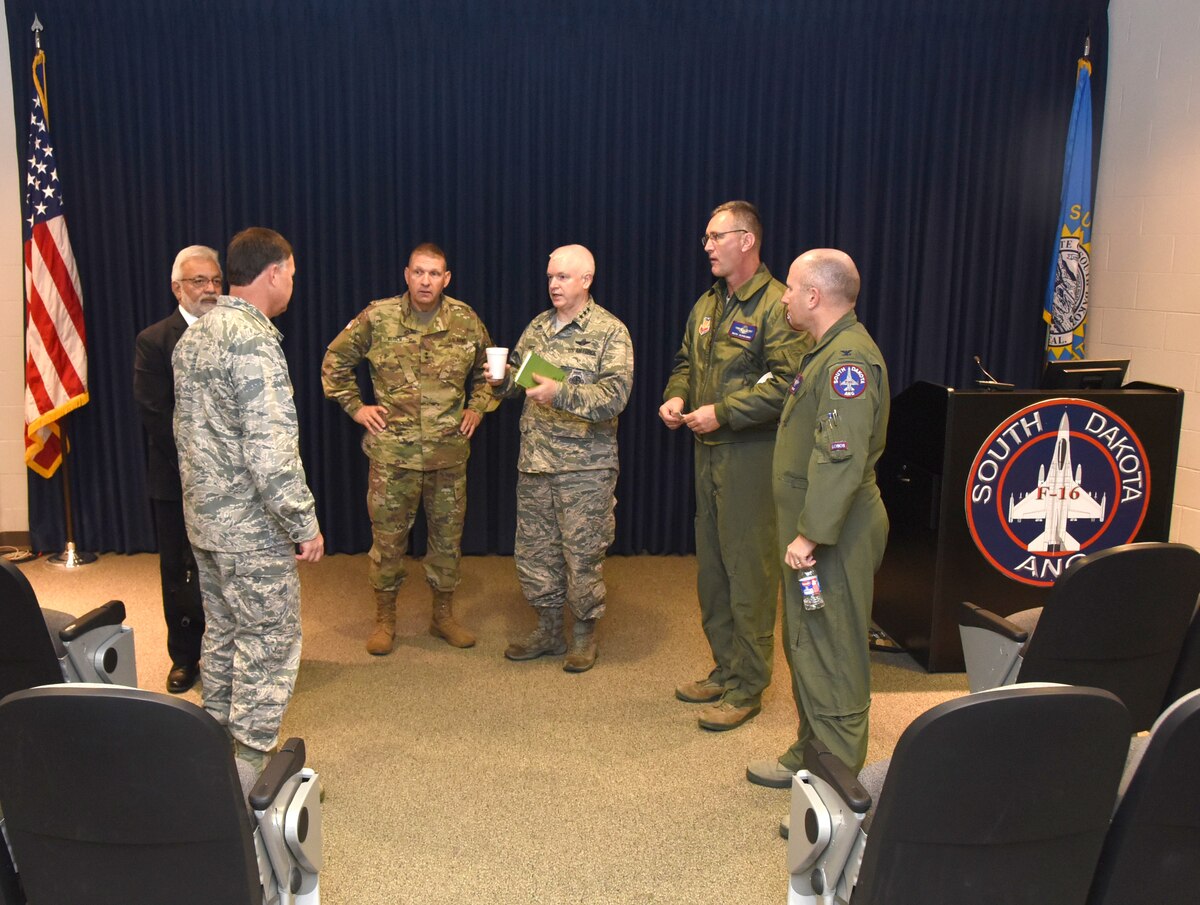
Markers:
193,251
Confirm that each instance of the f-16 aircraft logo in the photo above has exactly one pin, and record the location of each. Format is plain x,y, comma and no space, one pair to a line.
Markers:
1027,505
849,381
1058,499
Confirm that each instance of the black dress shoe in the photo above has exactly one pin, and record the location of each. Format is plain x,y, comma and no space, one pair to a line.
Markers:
182,678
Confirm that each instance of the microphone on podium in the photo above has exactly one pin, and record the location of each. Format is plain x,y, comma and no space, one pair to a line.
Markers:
991,383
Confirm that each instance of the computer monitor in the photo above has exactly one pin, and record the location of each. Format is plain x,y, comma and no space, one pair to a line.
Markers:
1085,374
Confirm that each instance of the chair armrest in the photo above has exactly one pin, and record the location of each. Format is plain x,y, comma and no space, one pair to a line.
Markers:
825,765
111,613
286,763
972,616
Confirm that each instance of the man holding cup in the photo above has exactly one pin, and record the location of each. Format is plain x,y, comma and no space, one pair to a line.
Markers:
567,469
426,354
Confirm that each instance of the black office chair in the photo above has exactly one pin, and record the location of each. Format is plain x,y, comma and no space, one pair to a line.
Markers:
997,798
1186,677
1152,852
43,647
1114,619
113,796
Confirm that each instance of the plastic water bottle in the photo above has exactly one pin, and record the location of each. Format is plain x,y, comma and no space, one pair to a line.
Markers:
810,588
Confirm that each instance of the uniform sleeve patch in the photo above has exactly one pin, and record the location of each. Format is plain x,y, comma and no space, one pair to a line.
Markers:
744,332
849,381
705,325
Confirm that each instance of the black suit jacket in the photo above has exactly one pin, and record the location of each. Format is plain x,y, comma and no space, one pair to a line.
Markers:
154,393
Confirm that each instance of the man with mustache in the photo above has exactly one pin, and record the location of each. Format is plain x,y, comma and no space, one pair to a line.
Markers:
196,283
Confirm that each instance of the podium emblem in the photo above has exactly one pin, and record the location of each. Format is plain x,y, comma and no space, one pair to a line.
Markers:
1054,481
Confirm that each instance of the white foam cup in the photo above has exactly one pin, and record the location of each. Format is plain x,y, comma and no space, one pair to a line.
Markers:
497,358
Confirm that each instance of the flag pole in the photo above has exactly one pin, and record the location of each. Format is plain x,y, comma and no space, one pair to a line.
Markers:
70,558
77,366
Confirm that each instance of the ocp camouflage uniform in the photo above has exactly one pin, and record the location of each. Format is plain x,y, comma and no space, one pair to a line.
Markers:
831,434
246,506
567,468
421,372
738,355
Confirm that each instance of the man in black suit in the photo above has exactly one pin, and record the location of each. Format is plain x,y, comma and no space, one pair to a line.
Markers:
196,283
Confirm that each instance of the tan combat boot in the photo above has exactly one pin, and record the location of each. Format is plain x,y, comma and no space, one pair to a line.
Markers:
443,624
547,638
381,640
583,647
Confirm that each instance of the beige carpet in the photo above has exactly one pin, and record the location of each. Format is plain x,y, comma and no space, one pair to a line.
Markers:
456,776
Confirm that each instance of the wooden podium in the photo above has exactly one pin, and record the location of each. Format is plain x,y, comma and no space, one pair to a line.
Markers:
972,479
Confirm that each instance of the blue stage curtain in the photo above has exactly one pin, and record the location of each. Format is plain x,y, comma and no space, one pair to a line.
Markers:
924,137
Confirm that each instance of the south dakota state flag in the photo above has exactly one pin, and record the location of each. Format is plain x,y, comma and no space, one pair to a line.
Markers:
1067,293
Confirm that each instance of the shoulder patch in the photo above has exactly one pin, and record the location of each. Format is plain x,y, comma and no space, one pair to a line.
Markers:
849,381
705,325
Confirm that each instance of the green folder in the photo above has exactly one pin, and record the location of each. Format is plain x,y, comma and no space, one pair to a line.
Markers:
535,364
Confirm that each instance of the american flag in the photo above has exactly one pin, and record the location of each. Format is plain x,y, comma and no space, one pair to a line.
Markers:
55,346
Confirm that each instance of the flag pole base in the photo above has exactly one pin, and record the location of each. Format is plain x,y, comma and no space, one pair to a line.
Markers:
71,558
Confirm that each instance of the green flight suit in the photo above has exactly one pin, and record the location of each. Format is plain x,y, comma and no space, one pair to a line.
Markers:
831,434
738,355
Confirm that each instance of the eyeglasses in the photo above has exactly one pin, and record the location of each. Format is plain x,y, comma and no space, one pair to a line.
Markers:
201,282
714,238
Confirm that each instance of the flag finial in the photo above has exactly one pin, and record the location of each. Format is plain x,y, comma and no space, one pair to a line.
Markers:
37,29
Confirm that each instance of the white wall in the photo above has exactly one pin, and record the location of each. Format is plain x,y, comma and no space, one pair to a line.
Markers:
1145,302
1146,237
14,499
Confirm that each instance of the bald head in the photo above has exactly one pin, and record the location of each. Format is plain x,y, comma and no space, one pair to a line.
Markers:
822,285
575,257
569,279
831,271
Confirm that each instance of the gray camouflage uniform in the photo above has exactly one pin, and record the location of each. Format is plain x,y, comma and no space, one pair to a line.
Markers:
246,506
567,469
420,371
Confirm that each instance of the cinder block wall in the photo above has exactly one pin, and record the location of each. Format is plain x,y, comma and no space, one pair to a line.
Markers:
14,495
1145,302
